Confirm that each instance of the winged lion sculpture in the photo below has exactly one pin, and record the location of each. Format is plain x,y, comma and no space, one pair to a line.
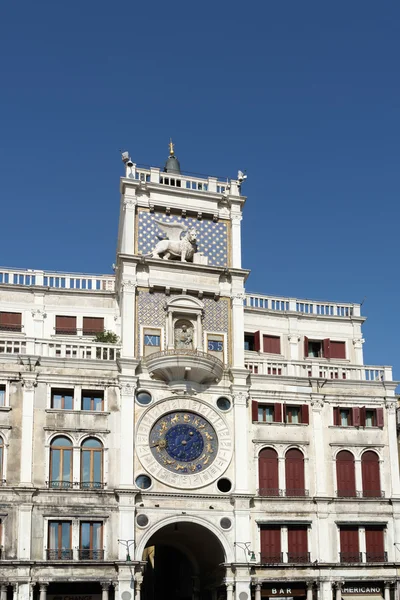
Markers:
184,247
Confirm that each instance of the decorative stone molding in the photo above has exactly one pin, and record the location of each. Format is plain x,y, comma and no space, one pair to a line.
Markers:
127,389
38,314
317,403
129,203
293,338
128,285
236,218
391,406
358,342
241,399
29,384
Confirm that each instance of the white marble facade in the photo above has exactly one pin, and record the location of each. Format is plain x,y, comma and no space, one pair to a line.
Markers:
94,474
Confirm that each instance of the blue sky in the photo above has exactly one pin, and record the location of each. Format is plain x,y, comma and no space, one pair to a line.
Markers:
304,95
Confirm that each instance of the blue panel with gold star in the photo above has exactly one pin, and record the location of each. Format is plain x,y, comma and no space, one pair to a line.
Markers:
212,238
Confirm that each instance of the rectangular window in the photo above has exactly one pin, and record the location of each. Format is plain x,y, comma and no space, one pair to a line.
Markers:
271,545
293,414
298,545
374,541
345,417
349,545
59,540
249,341
337,349
10,321
266,413
272,344
92,400
370,417
151,341
62,399
91,541
92,325
65,325
2,395
314,349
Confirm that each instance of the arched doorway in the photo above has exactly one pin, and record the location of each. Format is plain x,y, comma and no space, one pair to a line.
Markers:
183,562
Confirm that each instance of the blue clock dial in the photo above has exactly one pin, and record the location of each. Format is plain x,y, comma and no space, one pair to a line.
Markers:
183,442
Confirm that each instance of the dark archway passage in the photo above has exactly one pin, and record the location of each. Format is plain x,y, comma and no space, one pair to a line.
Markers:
183,562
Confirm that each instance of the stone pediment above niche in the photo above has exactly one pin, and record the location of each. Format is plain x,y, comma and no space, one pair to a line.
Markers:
185,304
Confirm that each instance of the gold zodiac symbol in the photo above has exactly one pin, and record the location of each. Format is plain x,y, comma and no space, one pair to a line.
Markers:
208,436
179,468
175,419
163,426
209,449
186,418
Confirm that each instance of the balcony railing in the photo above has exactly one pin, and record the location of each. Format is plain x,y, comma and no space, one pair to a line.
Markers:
376,557
92,485
81,350
82,485
350,557
348,494
272,559
278,493
305,307
60,485
298,557
373,494
59,280
86,554
59,554
258,364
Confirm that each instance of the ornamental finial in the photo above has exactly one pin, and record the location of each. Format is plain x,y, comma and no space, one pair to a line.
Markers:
171,147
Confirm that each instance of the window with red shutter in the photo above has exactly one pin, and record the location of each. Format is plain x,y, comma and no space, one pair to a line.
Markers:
356,416
305,414
294,471
10,321
249,341
92,325
257,341
65,325
254,410
336,416
278,412
270,544
363,415
375,544
371,479
298,545
326,348
349,545
379,417
337,349
268,480
272,344
345,475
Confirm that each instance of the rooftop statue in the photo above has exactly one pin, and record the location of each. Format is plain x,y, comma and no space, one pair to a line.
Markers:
175,246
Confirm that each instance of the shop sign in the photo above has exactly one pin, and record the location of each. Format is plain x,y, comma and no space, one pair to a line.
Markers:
365,588
283,591
73,596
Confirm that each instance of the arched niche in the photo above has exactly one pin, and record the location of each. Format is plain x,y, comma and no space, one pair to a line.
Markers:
184,323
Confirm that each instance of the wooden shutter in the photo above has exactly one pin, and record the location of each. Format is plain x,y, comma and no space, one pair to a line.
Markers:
326,344
336,415
304,414
270,544
284,412
278,412
375,545
272,344
337,349
268,479
305,346
371,480
10,321
66,325
379,417
257,341
294,467
355,416
254,410
349,544
345,474
92,325
297,544
363,416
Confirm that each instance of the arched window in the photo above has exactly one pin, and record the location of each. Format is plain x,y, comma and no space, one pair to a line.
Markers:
60,463
1,459
294,464
92,464
345,475
371,480
268,481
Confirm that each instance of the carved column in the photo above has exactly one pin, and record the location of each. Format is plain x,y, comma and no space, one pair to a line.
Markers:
3,591
43,591
128,318
138,585
236,241
310,585
241,443
338,593
387,590
229,591
126,440
257,595
104,590
28,386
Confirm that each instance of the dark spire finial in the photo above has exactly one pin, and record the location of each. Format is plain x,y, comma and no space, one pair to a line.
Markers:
172,164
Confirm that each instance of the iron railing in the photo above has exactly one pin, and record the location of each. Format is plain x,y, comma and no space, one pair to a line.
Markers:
376,557
59,554
348,494
60,485
350,557
82,485
278,493
296,493
272,559
298,557
92,485
86,554
373,494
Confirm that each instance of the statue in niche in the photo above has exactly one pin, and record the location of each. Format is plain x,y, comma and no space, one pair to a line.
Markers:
183,335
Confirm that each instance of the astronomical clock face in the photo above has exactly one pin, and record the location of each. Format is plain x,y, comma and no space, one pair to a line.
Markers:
183,443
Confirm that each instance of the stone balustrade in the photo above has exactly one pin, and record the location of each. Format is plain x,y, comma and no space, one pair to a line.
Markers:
305,307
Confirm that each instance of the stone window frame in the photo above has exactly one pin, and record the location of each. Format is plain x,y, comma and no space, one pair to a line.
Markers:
6,384
141,337
224,336
75,521
77,397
